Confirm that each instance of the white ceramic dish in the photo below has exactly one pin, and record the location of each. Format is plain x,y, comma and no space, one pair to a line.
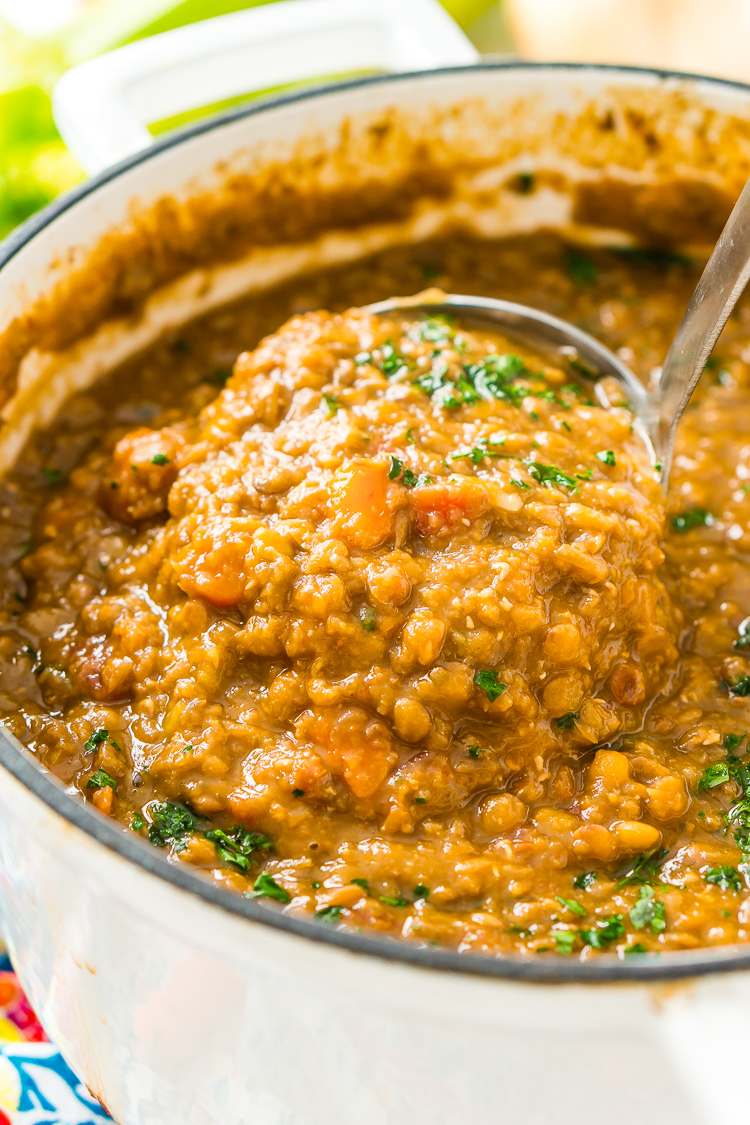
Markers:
180,1004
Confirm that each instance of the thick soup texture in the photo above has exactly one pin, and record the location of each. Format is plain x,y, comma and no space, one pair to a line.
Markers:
386,619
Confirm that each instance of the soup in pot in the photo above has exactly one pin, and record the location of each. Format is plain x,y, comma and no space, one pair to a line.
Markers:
387,619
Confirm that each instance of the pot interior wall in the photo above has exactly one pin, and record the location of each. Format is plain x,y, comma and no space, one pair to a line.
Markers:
606,156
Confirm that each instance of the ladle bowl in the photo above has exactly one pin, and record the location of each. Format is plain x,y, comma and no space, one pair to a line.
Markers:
658,411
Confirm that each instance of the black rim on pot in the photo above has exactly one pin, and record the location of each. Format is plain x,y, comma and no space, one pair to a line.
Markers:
23,767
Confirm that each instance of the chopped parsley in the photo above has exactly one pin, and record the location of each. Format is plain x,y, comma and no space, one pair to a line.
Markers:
567,721
519,483
636,947
394,901
571,905
137,824
565,940
741,687
694,517
237,845
524,183
363,884
298,792
160,459
99,779
420,800
607,457
96,739
328,405
265,886
411,480
550,474
435,330
604,934
580,268
329,914
584,880
421,891
648,912
714,775
52,476
368,618
473,751
487,680
395,470
392,362
732,741
726,878
644,870
170,821
743,634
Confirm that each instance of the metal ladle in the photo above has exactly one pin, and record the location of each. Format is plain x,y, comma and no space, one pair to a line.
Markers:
659,410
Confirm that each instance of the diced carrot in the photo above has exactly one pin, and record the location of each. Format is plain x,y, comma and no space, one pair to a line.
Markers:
441,505
215,570
102,800
354,745
359,504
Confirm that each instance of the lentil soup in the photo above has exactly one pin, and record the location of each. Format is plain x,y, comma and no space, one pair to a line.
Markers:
386,619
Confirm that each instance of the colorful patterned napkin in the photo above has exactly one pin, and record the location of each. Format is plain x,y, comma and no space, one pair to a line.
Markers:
37,1087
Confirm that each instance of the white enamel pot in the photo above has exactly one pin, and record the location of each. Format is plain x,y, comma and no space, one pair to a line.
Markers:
181,1004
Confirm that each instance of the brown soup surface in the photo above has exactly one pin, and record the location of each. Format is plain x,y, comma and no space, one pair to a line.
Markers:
387,619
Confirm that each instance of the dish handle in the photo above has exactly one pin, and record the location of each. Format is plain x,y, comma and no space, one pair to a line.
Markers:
103,107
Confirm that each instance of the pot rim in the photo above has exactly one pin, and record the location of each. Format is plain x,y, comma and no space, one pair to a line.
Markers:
606,969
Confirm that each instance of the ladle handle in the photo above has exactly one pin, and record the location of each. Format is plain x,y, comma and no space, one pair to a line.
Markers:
720,287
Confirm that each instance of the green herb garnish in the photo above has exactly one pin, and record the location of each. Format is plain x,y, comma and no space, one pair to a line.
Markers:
421,891
99,779
95,740
329,914
473,751
52,476
160,459
488,681
265,886
368,618
648,912
580,268
714,775
604,934
726,878
389,901
363,884
236,845
550,474
170,821
695,517
584,880
566,722
395,470
565,940
607,457
571,905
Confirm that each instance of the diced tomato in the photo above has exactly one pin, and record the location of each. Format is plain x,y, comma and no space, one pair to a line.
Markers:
359,504
445,503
